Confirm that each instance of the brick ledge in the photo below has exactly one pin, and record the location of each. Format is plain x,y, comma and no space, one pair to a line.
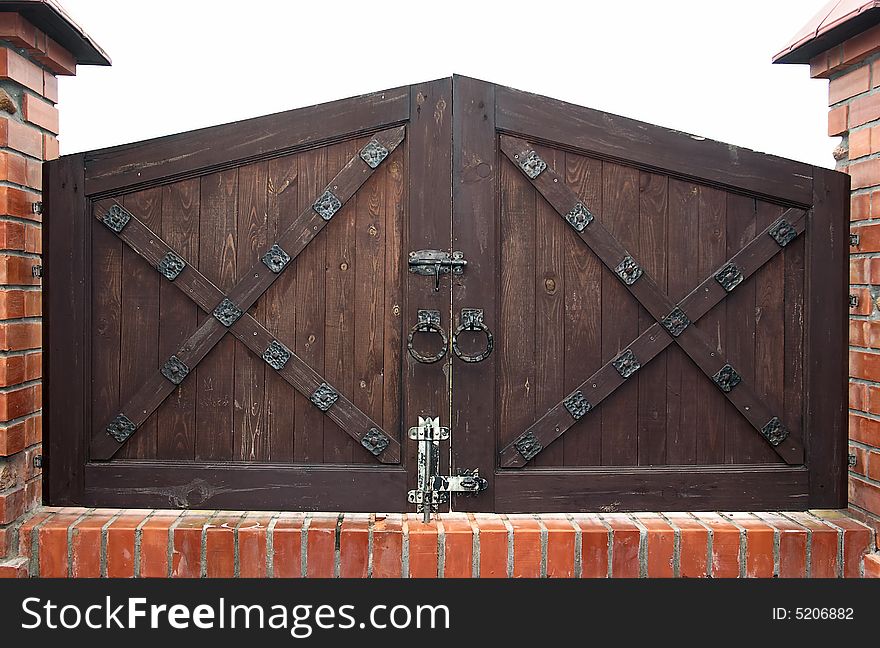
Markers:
79,542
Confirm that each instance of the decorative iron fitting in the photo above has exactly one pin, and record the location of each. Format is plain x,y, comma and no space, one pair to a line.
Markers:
275,258
577,405
324,397
170,266
727,378
627,363
327,205
116,218
676,322
276,355
579,217
531,163
729,277
175,370
783,232
227,313
774,431
121,428
628,270
373,153
374,441
528,446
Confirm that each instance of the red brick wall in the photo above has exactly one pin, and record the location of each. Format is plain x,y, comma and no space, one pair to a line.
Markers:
29,63
853,70
82,543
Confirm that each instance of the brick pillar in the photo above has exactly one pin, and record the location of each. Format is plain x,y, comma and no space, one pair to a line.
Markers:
30,63
852,67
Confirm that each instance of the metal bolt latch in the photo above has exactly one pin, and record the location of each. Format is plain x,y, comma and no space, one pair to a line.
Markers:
37,207
853,240
853,301
433,263
432,488
851,461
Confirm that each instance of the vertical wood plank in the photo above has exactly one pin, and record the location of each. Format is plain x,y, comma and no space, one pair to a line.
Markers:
283,201
67,320
215,375
140,320
743,444
652,377
339,310
711,406
549,290
516,344
827,370
179,318
620,315
395,259
308,444
770,342
474,233
250,439
583,312
369,299
681,380
794,257
429,138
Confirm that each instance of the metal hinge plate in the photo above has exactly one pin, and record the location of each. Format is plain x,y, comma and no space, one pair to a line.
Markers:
853,301
37,271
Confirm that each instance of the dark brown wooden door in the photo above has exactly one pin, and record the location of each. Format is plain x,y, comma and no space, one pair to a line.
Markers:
660,339
227,312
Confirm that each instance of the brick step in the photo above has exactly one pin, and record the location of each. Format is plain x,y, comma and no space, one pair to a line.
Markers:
76,542
872,565
14,568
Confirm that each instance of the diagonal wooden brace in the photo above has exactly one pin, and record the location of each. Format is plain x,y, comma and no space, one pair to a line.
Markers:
674,320
209,298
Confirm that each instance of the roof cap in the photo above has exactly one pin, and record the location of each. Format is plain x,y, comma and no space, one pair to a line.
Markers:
52,19
836,22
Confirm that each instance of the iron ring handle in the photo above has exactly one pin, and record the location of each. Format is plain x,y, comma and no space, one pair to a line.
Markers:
427,324
472,320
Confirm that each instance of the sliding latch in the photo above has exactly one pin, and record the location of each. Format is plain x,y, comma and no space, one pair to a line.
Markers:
433,263
433,488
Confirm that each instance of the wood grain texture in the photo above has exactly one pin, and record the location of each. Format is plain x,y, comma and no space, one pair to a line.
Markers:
199,151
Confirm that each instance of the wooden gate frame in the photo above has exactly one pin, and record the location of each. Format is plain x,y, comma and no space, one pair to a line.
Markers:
461,144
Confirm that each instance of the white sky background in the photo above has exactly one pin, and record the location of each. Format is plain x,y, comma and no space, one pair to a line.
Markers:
697,66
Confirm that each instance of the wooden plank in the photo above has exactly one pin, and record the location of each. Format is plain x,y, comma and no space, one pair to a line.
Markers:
106,334
201,150
139,308
549,292
369,299
339,307
215,375
179,317
827,338
283,197
795,329
250,439
67,321
652,147
255,487
770,342
620,314
653,257
742,445
308,431
429,134
749,488
516,337
583,313
396,179
474,222
681,377
711,408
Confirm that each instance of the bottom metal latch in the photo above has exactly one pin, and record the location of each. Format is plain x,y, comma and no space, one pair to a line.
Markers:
433,488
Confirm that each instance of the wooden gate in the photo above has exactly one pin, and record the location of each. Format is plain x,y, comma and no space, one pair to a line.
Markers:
606,314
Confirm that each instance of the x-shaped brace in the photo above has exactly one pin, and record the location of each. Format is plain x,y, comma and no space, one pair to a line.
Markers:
674,321
229,311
